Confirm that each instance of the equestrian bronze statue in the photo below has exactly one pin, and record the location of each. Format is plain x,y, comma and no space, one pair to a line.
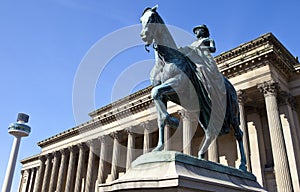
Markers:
189,77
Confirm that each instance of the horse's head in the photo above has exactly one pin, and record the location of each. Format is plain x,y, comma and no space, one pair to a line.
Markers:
150,20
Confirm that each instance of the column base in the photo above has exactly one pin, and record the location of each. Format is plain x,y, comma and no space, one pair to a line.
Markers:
173,171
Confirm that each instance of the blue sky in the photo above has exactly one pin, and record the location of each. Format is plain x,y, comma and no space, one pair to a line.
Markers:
43,43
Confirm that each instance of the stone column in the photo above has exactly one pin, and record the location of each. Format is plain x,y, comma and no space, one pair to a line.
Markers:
130,147
296,134
281,166
289,106
21,181
256,145
147,139
102,159
80,167
53,178
90,166
71,169
32,180
40,176
115,156
186,131
297,125
291,141
241,100
26,180
45,186
62,171
294,106
29,179
189,127
213,153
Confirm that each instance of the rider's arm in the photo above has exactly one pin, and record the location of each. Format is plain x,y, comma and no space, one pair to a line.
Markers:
209,44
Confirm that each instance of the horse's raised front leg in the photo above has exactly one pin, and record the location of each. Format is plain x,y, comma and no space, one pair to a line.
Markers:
159,95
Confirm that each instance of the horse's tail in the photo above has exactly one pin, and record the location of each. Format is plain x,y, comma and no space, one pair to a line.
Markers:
232,116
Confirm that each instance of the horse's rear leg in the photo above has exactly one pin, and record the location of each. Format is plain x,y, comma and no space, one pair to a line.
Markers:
238,133
204,146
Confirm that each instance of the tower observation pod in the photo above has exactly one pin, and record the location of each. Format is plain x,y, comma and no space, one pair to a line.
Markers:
18,130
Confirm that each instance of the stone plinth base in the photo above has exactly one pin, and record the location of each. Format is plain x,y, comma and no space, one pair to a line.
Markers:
174,171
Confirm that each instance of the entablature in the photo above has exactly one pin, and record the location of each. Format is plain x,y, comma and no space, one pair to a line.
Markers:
266,49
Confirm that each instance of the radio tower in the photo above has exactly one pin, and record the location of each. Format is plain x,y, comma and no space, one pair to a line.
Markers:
18,130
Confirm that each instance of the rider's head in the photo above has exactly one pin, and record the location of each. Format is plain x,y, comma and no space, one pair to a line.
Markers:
201,31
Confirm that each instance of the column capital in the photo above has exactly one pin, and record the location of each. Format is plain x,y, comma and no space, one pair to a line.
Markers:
64,151
92,142
269,88
186,114
148,126
34,169
145,125
82,146
49,156
292,101
116,135
103,138
242,96
56,154
73,149
130,130
27,171
285,98
42,158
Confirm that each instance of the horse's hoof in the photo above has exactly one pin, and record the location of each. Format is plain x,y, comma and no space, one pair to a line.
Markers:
243,167
159,147
201,156
173,122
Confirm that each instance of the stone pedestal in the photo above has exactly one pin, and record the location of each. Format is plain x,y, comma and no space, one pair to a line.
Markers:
173,171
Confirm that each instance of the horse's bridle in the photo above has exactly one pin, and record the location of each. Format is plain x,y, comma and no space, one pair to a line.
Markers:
150,20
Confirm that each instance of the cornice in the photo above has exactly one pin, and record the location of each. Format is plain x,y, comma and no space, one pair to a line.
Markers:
121,102
243,48
246,63
261,51
30,159
282,53
118,110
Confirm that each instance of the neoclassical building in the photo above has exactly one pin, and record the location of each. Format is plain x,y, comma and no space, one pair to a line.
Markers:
267,79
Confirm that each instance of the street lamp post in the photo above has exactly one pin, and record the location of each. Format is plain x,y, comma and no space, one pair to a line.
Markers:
18,130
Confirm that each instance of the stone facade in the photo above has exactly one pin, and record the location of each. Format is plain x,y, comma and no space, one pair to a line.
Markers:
99,151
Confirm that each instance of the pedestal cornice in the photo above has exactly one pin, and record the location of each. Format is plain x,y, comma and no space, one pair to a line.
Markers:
174,171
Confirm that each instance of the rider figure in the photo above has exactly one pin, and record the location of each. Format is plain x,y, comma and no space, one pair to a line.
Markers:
207,71
202,33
